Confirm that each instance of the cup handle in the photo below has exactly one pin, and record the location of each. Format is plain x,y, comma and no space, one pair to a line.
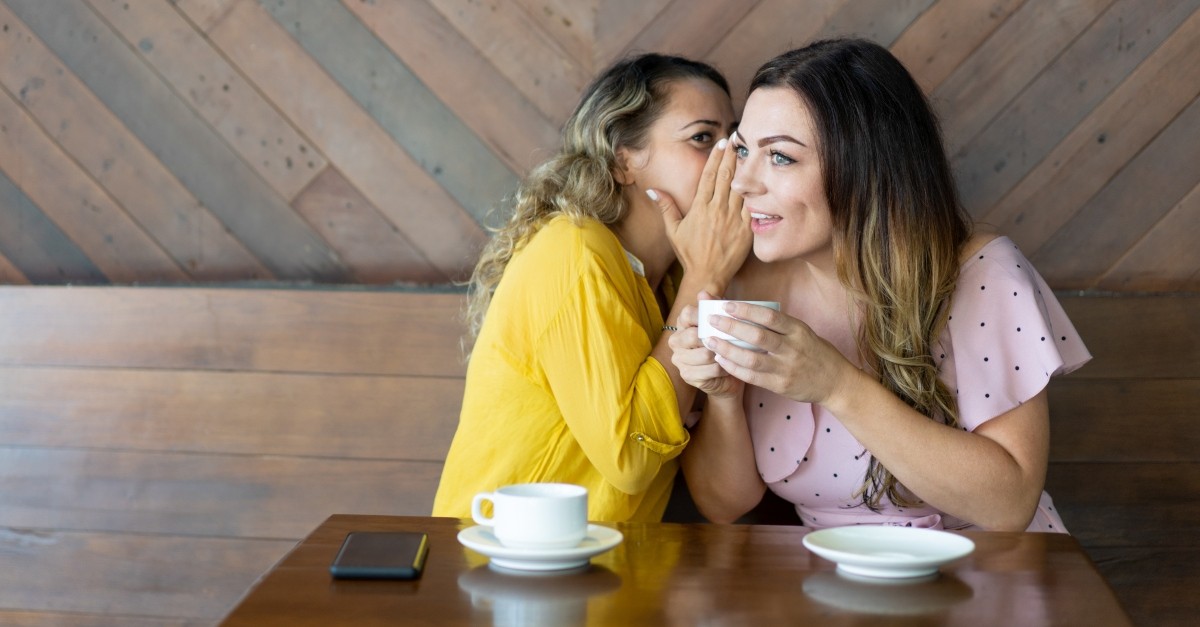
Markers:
477,510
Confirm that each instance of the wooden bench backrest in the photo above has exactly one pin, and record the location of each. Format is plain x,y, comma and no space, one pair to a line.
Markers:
162,447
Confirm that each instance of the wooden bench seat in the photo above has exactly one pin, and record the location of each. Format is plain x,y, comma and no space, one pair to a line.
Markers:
160,448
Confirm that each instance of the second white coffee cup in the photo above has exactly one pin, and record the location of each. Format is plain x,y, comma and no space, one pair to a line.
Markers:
709,308
535,515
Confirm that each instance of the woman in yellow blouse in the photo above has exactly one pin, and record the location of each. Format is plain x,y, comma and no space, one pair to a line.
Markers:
570,378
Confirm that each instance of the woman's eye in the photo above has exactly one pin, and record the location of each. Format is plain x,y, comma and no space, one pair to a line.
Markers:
703,138
741,151
778,158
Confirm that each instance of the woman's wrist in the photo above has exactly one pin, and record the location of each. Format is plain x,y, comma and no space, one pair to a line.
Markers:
695,282
849,388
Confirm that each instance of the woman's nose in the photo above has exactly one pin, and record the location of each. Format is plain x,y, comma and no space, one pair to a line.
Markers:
745,179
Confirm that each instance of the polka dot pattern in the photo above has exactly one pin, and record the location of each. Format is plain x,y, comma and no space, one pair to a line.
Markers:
997,351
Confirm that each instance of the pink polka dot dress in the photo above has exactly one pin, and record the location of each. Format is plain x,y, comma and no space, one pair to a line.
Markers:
1007,335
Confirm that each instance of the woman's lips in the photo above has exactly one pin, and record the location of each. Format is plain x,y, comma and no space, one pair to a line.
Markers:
763,222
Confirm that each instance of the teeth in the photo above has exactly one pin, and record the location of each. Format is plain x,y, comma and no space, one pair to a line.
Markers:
762,216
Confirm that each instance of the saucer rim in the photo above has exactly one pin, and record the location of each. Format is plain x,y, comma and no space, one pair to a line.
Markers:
606,539
879,566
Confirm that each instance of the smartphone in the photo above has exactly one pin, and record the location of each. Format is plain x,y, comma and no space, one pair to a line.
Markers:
381,555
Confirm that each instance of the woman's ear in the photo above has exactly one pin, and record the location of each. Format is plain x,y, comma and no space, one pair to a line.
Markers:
622,173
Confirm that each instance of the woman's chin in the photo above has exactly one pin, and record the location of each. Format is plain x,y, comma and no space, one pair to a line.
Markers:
766,252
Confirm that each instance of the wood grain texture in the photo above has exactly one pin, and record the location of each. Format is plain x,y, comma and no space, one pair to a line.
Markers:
230,496
1128,504
1062,95
118,161
192,150
131,575
362,236
1138,337
779,25
620,22
37,246
443,232
380,333
10,274
1127,208
244,413
444,60
263,138
1125,420
521,51
204,13
436,107
570,23
17,618
685,28
1167,257
1009,60
1156,586
944,37
1096,150
411,114
233,417
81,208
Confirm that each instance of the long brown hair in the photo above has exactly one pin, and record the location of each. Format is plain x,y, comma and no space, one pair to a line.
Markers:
617,110
897,220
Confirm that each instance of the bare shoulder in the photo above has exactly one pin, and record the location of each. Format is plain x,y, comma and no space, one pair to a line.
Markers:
978,240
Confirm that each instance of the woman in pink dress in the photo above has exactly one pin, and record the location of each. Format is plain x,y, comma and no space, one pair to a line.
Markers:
904,381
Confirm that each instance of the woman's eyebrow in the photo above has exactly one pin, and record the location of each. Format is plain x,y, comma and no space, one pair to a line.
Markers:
704,122
779,138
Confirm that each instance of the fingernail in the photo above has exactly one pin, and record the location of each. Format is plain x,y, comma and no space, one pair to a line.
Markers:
652,194
721,144
710,343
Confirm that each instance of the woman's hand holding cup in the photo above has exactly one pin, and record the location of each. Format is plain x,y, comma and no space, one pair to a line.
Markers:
695,361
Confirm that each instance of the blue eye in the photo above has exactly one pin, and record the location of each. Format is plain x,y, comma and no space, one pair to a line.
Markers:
778,158
741,151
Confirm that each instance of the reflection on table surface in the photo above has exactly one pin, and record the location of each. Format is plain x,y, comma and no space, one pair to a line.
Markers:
675,574
536,598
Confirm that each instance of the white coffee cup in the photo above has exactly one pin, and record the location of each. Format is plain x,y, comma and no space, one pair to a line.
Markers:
717,307
535,515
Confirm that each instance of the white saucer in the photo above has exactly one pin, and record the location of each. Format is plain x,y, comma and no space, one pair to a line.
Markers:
599,539
888,552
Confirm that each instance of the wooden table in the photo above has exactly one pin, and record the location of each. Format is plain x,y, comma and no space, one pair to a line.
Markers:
676,574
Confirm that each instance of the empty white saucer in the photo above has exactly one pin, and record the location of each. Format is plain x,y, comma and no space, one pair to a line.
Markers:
889,552
598,540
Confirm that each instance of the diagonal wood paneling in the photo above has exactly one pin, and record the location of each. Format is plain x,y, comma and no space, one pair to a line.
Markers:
362,141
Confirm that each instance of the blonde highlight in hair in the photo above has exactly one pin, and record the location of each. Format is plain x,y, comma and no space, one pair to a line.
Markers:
897,220
616,111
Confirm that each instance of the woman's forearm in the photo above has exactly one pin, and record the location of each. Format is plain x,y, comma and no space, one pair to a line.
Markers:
719,465
992,477
689,289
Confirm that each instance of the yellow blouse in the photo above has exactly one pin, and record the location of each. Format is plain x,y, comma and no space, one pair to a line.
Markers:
561,386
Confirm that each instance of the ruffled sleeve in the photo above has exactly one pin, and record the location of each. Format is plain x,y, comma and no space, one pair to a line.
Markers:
1006,336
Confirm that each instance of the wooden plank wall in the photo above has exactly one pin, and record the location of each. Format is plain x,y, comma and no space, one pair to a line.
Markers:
354,141
1125,450
160,448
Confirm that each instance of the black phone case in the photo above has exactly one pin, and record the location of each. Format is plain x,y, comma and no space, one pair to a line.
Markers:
381,555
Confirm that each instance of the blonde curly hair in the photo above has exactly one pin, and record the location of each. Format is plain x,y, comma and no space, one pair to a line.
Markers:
617,110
